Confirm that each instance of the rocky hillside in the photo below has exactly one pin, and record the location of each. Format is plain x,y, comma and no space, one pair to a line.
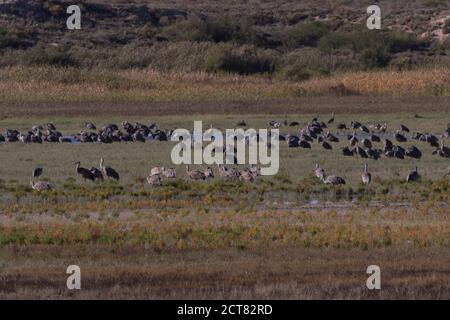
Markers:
268,36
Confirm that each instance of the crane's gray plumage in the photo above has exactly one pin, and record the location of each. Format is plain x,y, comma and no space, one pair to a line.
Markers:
334,180
98,175
366,176
37,172
83,172
413,176
108,171
154,180
319,172
40,186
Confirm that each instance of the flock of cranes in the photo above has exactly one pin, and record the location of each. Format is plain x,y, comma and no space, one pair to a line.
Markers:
366,176
154,178
108,134
368,141
247,174
360,144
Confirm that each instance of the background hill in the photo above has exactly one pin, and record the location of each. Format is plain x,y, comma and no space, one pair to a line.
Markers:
294,40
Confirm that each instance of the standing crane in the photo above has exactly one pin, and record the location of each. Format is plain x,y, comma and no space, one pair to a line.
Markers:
83,172
108,171
366,176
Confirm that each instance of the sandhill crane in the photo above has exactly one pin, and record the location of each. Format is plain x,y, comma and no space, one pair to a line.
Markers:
375,138
334,180
353,139
366,176
170,173
273,124
224,172
347,152
399,137
448,170
246,176
404,128
209,174
331,137
98,175
195,174
355,124
413,176
388,145
362,153
255,170
324,143
37,172
108,171
442,151
413,152
364,128
40,186
373,153
319,172
304,144
157,170
89,125
154,180
367,143
331,119
83,172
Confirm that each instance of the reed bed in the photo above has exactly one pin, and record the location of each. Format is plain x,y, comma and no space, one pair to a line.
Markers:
51,84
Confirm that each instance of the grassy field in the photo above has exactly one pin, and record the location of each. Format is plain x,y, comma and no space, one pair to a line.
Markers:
281,273
195,239
289,236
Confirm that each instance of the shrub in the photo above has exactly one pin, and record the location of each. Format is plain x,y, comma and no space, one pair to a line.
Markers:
375,57
242,60
192,29
4,39
222,29
397,42
306,34
333,41
47,56
14,39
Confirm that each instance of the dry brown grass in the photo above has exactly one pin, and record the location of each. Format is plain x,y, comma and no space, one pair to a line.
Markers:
48,84
434,82
38,272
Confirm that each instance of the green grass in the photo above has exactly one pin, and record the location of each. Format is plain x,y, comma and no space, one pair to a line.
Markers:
294,183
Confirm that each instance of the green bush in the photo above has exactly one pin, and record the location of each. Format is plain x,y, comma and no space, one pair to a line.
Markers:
242,60
220,29
376,47
305,34
375,57
47,56
192,29
333,41
4,39
13,39
401,42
